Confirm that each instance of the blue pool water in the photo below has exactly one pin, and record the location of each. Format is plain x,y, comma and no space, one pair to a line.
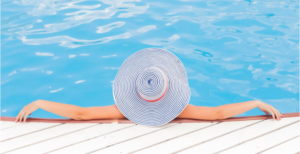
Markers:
69,51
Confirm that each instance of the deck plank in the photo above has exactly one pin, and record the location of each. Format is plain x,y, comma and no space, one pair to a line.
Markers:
69,139
291,146
110,139
41,136
8,124
237,136
266,141
23,129
154,138
176,132
185,140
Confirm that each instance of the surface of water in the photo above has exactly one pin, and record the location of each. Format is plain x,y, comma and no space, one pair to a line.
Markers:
69,51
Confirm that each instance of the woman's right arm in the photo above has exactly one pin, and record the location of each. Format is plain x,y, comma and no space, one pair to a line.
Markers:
71,111
65,110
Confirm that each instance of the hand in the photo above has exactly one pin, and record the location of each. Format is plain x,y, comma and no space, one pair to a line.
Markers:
269,108
27,110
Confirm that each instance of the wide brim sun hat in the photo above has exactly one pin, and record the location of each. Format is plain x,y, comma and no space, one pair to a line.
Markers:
151,87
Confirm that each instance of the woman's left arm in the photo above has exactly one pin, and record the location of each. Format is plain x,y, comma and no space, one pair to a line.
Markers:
227,110
230,110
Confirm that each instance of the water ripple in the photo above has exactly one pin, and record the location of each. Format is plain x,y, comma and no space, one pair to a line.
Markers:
70,42
145,29
86,14
109,27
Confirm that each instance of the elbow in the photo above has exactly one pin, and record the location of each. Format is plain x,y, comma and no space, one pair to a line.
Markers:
77,118
220,115
79,115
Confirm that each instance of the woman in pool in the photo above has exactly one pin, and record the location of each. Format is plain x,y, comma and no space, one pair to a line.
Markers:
151,88
112,112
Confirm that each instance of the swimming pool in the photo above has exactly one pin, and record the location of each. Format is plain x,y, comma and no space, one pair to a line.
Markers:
69,51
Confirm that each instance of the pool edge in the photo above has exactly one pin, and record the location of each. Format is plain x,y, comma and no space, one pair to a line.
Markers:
126,121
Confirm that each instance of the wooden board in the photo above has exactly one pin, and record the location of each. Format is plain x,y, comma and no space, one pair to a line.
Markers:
289,146
8,124
109,139
237,137
266,141
71,138
185,140
24,129
41,136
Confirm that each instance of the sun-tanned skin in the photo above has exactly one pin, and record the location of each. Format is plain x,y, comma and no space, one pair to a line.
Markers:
112,112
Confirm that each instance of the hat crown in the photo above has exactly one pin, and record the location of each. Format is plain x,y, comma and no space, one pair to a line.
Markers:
152,84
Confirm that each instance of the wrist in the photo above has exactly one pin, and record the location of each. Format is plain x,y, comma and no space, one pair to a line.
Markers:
258,102
38,103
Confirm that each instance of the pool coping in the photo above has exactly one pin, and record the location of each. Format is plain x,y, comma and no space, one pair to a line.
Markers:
126,121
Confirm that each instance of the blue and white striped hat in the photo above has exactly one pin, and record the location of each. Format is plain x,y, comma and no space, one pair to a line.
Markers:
151,87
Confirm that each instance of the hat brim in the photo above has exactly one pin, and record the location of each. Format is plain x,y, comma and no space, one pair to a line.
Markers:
142,112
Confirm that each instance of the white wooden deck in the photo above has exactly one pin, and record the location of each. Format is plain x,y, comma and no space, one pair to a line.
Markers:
237,137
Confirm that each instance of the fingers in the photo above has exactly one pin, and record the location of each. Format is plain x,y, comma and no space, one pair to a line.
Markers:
266,112
23,114
272,112
280,115
20,115
17,117
277,113
25,117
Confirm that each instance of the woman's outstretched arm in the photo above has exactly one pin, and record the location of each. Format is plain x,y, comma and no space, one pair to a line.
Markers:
227,110
70,111
108,112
